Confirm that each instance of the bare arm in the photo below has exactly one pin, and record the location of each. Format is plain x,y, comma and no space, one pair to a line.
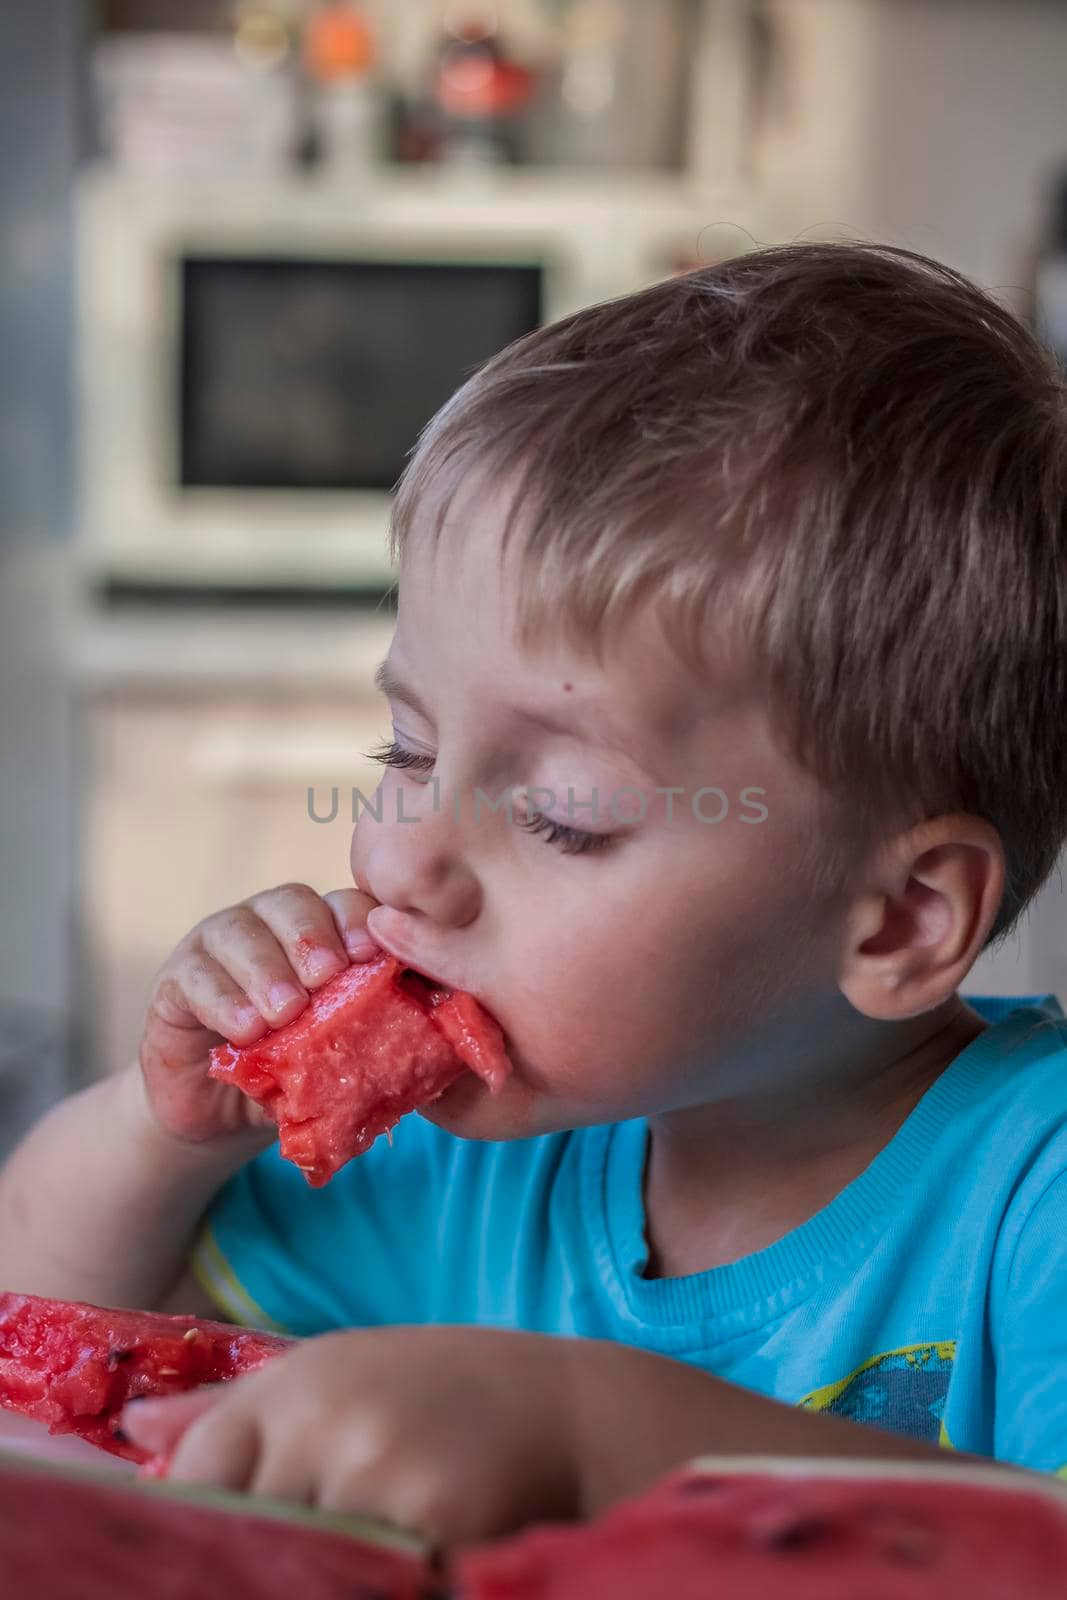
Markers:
102,1199
100,1203
637,1416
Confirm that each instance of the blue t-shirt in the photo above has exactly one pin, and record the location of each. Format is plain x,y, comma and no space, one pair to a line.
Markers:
929,1297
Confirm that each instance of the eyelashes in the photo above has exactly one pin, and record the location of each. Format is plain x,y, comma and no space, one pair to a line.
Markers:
569,841
391,754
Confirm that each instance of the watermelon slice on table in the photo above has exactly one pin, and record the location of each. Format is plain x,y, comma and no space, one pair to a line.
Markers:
74,1534
375,1042
73,1366
778,1529
797,1530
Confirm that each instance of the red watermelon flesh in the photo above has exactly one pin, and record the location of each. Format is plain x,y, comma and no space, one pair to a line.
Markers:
464,1024
929,1535
73,1535
372,1044
73,1366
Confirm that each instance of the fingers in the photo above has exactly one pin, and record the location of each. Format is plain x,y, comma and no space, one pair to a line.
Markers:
415,1495
157,1424
265,1439
220,1448
286,1471
255,962
212,1439
350,908
202,991
252,966
239,941
304,926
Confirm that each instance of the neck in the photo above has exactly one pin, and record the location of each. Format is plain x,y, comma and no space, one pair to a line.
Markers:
731,1177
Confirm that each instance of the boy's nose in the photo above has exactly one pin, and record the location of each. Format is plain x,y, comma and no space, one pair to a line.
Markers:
441,887
415,868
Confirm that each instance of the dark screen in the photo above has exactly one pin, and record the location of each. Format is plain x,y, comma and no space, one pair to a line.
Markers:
320,374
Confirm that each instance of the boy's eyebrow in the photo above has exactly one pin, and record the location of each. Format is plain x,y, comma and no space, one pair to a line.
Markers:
386,679
590,727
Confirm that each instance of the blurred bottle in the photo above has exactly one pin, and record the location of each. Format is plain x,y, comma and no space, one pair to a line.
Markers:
346,104
479,89
263,34
1050,278
265,37
620,95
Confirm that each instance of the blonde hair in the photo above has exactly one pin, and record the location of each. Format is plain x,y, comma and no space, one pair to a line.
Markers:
847,459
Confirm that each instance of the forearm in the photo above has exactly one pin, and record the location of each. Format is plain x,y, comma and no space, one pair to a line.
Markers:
99,1203
639,1416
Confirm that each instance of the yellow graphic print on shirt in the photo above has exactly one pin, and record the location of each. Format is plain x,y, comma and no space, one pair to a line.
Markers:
902,1390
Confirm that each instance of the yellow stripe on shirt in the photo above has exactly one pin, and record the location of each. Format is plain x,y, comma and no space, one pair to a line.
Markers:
217,1278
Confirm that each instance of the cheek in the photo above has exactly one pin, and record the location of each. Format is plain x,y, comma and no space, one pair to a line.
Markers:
597,991
644,970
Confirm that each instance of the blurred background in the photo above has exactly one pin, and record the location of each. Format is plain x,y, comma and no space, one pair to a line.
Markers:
247,250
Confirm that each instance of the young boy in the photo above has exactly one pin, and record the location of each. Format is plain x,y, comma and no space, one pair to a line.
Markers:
748,595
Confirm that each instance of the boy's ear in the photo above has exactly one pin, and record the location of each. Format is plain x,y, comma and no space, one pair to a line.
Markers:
915,929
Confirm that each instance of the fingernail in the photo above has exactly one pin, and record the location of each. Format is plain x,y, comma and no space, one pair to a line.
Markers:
283,994
360,945
321,963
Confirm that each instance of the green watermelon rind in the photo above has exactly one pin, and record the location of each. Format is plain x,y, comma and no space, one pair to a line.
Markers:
994,1476
230,1503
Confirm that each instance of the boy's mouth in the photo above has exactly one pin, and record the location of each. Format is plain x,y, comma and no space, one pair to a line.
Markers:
416,978
426,987
422,987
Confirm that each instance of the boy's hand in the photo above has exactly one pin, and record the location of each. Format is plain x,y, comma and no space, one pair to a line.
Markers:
453,1433
235,976
462,1434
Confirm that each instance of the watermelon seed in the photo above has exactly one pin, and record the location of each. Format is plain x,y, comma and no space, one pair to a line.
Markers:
901,1538
169,1372
799,1533
116,1356
192,1336
916,1547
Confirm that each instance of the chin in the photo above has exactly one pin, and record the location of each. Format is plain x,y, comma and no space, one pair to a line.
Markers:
468,1110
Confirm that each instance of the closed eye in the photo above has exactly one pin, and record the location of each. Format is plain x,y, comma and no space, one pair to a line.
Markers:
572,841
391,754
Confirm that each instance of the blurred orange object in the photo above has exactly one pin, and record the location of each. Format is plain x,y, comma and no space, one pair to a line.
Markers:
338,43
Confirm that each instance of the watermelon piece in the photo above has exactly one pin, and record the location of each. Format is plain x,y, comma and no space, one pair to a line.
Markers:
74,1534
472,1033
798,1531
73,1366
375,1042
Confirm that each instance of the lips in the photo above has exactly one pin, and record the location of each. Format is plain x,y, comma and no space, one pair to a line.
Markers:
402,950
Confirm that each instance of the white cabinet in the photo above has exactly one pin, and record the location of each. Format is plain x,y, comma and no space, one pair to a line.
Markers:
196,799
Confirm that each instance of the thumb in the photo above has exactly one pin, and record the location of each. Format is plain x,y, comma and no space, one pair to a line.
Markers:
350,908
157,1423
